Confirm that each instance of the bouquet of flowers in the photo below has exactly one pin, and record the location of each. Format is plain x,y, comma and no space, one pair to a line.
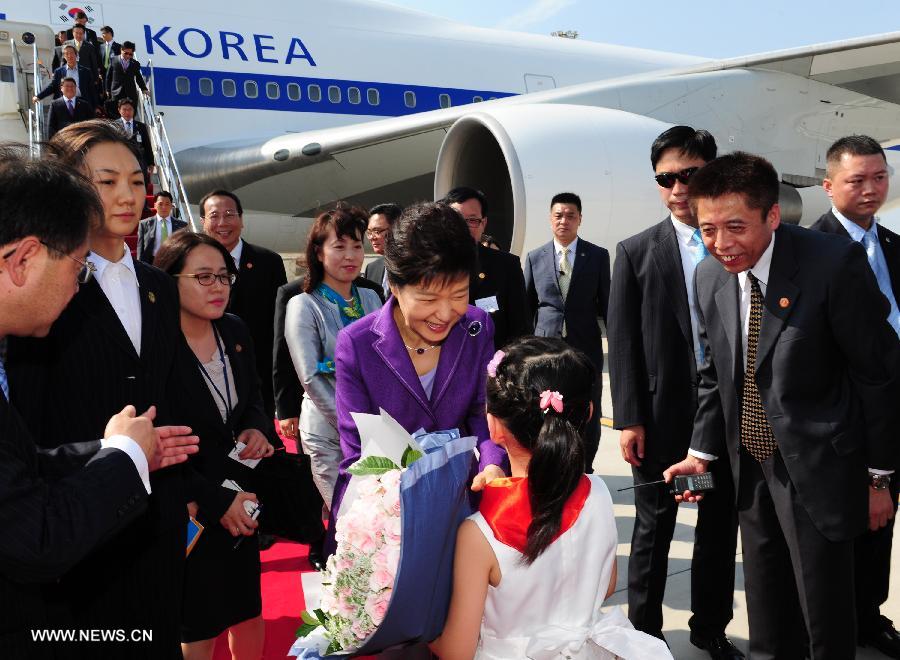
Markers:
389,581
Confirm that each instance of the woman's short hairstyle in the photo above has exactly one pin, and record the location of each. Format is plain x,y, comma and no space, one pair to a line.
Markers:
349,221
71,144
429,243
174,252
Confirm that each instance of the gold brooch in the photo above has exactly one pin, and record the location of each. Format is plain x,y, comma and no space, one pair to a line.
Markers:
151,296
783,303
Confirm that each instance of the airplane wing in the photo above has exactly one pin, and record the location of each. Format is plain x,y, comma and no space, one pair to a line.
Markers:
394,159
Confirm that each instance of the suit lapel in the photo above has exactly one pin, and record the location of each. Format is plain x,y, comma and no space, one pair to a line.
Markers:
148,293
390,348
150,243
94,301
727,301
451,354
668,262
781,295
549,259
581,257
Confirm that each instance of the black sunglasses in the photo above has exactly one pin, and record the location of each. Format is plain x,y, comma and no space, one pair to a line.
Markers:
668,179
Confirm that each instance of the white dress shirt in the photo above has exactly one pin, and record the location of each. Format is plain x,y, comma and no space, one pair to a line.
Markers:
119,282
158,240
237,252
570,257
73,73
687,249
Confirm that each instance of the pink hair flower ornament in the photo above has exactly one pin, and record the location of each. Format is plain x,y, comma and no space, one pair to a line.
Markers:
551,400
494,363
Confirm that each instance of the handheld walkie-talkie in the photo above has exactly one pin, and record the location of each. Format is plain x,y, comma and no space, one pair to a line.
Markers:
696,483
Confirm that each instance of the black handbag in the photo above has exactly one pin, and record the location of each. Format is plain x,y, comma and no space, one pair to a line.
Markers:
292,505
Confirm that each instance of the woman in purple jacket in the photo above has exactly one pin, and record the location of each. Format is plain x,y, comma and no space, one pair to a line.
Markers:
423,357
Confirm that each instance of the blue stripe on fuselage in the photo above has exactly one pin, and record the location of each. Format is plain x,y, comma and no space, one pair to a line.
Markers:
391,95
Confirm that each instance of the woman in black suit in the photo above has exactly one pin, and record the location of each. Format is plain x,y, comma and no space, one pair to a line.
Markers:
220,399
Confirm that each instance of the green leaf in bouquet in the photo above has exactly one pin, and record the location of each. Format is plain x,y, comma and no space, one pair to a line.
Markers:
334,647
410,456
372,465
309,623
312,618
322,616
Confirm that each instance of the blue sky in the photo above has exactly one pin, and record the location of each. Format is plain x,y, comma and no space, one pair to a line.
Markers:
713,28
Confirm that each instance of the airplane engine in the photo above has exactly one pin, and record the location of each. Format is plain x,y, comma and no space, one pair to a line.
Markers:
521,156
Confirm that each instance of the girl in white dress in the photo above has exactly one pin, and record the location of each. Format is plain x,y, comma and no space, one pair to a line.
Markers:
534,565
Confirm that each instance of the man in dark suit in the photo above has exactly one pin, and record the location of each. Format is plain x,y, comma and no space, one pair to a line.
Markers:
109,49
654,355
137,132
153,232
123,77
498,286
381,218
89,35
87,51
567,285
84,83
856,179
260,273
69,109
57,506
799,391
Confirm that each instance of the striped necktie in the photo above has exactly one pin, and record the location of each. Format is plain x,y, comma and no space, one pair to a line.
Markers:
756,434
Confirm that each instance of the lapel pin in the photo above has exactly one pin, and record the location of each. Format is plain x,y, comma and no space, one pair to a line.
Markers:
238,348
783,303
249,265
481,276
474,328
151,296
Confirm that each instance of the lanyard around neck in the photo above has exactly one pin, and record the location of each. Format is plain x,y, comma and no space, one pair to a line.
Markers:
226,399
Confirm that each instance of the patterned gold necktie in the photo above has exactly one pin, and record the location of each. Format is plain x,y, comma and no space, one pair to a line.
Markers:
564,274
756,434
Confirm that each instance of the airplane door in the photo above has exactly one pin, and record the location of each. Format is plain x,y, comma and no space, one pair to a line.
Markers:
536,83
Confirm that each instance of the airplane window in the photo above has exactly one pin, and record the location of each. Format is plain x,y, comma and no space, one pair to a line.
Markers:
293,91
314,92
229,89
334,93
445,100
183,85
372,96
477,99
409,98
273,91
206,87
251,89
354,95
6,74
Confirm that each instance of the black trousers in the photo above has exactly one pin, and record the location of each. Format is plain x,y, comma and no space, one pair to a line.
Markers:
872,557
592,432
712,564
792,574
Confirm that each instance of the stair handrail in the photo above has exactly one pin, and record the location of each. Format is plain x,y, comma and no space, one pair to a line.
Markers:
166,165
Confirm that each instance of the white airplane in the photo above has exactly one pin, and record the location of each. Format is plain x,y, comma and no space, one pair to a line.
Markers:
294,104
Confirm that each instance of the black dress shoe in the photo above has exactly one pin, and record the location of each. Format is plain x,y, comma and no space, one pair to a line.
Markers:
719,648
886,639
316,556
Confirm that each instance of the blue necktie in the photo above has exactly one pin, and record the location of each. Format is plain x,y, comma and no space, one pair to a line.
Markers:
699,249
4,382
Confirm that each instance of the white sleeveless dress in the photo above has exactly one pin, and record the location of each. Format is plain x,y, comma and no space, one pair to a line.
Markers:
550,610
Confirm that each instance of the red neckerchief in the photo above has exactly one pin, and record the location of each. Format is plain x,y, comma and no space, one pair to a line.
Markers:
507,509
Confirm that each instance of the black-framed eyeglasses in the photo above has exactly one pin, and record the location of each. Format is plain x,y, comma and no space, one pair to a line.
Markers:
376,233
207,279
474,221
84,273
668,179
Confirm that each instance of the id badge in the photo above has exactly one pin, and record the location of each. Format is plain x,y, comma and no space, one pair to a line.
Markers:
234,454
489,304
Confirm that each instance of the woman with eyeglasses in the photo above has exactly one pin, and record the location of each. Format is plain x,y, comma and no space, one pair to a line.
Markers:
114,345
330,302
219,397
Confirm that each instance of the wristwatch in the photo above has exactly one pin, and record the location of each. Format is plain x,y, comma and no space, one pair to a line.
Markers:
880,481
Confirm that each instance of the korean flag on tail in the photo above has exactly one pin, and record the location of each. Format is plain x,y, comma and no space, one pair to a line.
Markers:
63,13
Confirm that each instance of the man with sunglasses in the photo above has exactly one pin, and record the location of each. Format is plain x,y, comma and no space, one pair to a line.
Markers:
498,286
56,506
654,354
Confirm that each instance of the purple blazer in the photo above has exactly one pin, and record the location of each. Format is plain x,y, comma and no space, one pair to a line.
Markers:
374,370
